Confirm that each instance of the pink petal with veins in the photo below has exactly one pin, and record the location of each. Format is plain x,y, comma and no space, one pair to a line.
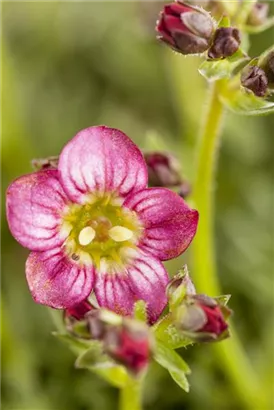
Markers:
145,278
34,204
101,159
56,281
169,223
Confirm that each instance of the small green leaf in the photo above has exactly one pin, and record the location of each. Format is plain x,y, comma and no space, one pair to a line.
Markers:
244,102
174,363
140,311
214,70
180,379
169,359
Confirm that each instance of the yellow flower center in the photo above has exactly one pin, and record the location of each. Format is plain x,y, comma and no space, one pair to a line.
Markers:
101,232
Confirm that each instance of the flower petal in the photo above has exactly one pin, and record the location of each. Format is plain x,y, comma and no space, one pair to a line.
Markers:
101,159
149,279
113,292
170,224
56,281
145,278
34,204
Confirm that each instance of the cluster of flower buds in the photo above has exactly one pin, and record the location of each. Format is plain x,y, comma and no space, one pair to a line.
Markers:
191,30
125,340
258,76
198,317
164,171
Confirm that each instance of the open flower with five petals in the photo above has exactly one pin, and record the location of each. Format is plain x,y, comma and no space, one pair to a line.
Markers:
93,225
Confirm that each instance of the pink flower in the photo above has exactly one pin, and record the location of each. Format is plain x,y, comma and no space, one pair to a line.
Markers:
93,225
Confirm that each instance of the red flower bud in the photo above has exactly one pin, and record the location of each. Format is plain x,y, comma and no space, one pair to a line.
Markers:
129,344
187,29
163,169
202,318
226,42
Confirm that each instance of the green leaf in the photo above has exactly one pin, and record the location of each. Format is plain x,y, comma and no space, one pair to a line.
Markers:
140,311
245,103
174,363
181,380
169,359
214,70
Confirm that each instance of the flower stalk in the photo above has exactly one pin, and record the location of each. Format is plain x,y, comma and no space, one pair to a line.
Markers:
230,353
130,395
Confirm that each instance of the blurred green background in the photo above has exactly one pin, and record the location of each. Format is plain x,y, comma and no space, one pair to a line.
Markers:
70,65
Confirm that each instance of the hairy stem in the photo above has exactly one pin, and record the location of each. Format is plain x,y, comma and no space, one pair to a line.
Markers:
130,395
231,354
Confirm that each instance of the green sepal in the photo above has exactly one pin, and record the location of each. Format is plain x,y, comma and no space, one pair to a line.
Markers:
244,102
77,345
224,21
95,360
80,329
93,356
166,332
223,299
140,310
260,28
214,70
174,363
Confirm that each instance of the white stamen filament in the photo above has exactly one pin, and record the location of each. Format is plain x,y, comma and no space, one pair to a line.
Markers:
86,236
120,233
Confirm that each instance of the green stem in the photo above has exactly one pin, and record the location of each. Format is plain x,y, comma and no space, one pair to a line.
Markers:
130,395
230,353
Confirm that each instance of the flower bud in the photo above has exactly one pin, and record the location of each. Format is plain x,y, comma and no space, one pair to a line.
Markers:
258,14
163,169
183,279
187,29
267,64
184,189
254,78
202,318
78,311
129,344
45,163
226,42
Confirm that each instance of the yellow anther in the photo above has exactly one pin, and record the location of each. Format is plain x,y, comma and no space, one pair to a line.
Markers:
120,233
86,236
